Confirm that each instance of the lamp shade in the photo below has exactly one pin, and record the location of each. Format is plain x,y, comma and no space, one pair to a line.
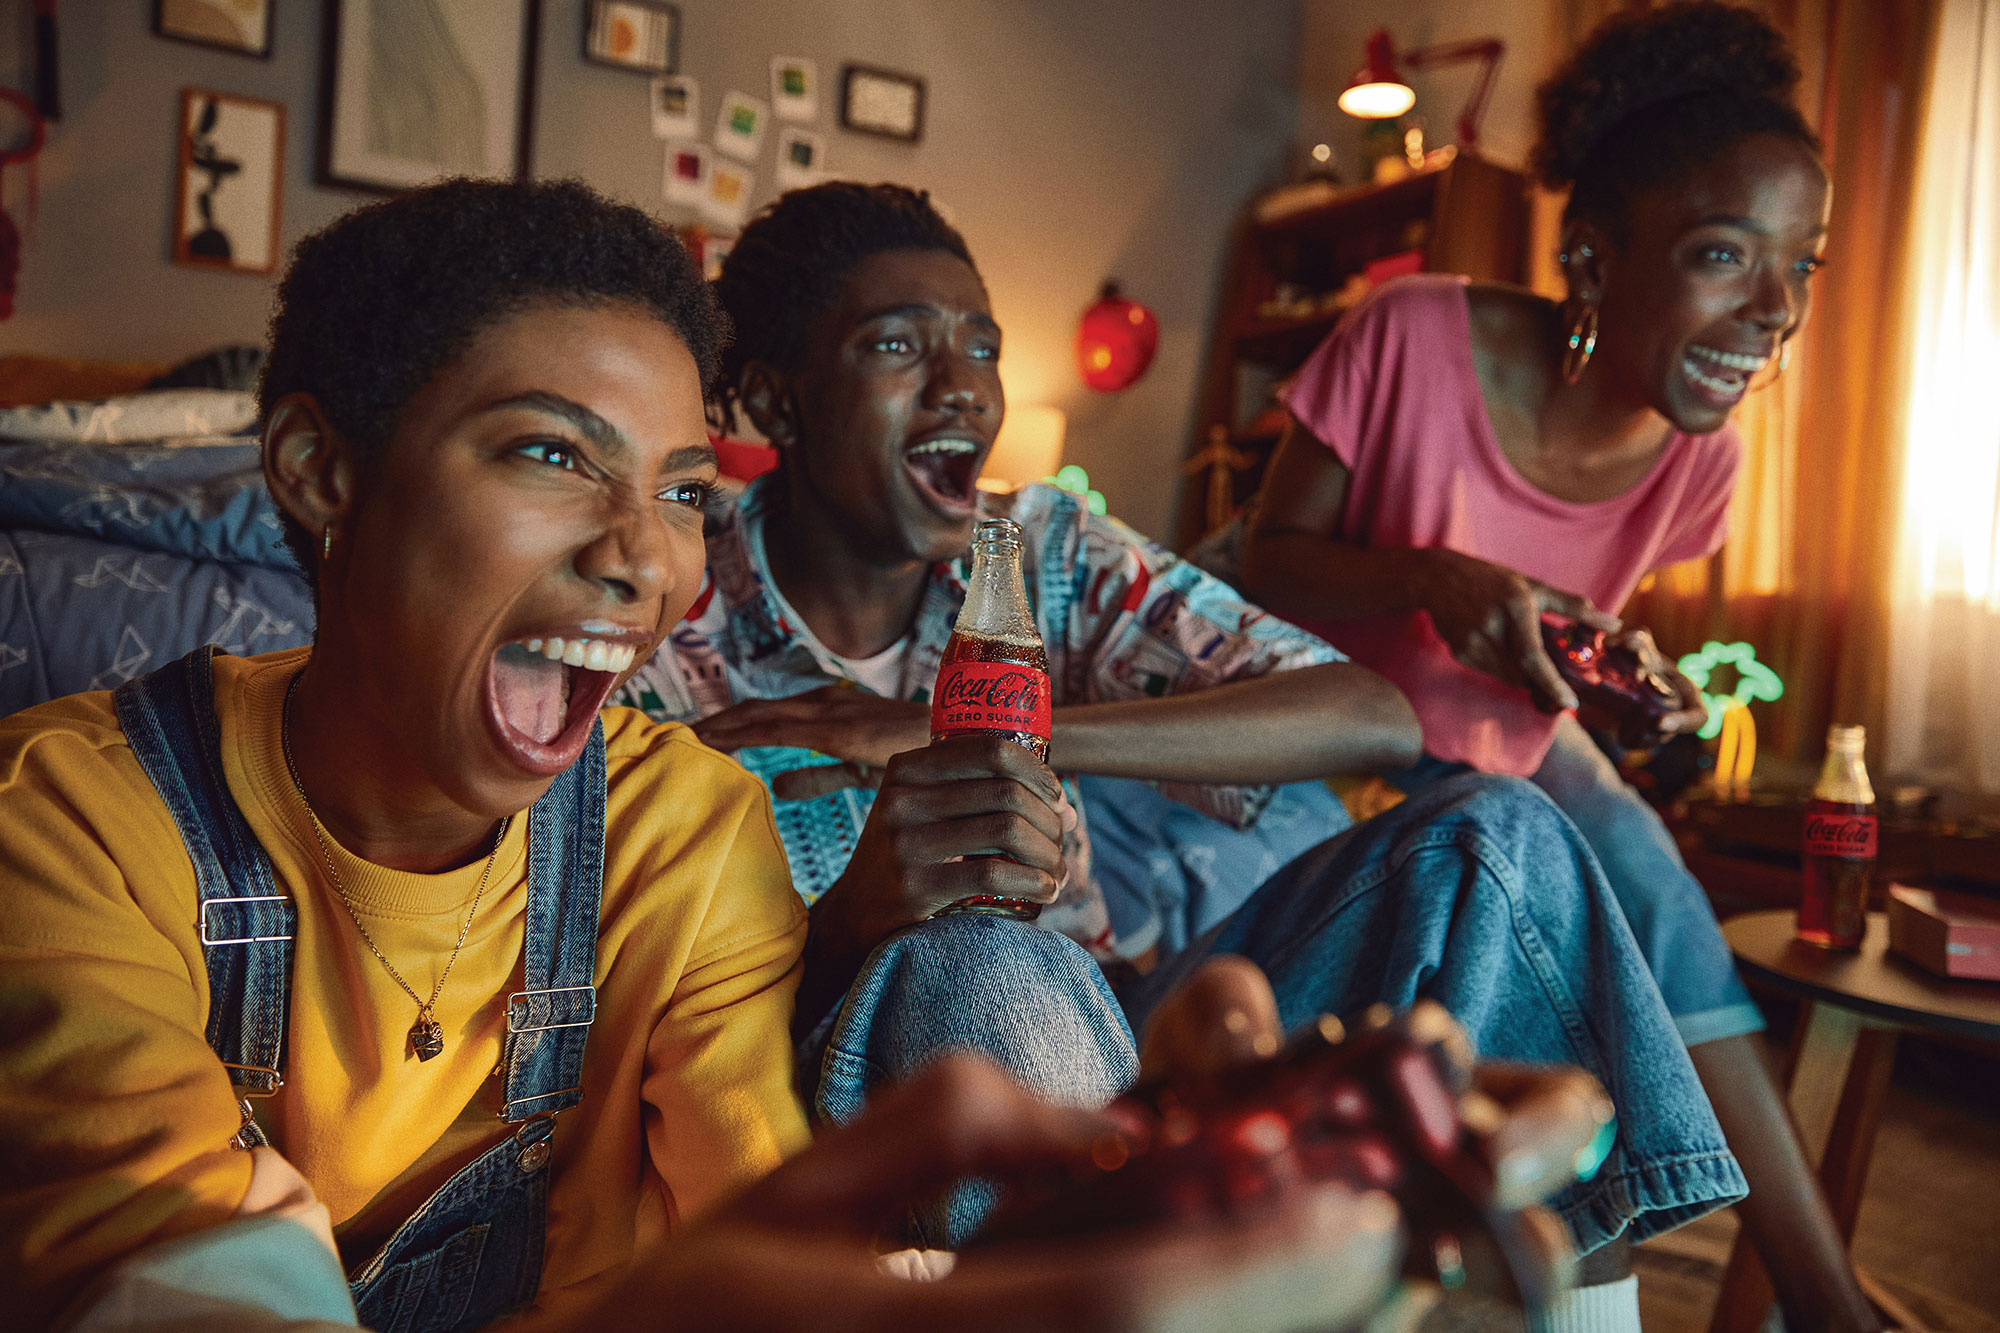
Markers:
1378,91
1115,342
1029,448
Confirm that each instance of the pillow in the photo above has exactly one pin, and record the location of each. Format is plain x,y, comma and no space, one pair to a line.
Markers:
162,414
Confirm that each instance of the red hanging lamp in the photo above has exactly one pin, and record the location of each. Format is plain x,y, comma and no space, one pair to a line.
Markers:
1115,342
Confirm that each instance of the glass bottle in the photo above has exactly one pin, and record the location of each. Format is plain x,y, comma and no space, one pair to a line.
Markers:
994,677
1839,846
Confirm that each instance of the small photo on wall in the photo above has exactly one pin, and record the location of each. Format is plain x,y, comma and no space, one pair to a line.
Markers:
727,203
242,26
676,103
641,35
739,126
794,88
801,159
232,160
881,101
686,180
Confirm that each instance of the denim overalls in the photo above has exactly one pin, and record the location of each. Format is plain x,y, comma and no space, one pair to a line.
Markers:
473,1251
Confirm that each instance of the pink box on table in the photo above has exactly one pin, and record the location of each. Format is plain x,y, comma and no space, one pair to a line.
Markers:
1953,934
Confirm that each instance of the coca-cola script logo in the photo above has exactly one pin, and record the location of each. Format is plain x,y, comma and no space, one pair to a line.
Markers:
1020,690
1840,835
991,696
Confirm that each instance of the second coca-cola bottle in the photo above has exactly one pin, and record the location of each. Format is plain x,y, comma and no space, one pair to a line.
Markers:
994,678
1839,849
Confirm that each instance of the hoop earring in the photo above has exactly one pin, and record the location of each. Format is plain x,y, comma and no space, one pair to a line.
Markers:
1582,341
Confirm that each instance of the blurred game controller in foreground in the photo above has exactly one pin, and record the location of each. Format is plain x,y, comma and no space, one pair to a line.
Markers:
1389,1108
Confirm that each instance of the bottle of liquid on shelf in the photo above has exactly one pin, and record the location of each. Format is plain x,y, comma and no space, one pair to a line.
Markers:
994,677
1839,847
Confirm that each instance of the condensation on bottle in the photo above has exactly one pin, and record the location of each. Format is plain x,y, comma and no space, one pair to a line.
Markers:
994,677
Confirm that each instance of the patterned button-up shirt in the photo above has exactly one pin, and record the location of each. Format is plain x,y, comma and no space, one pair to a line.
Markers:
1120,617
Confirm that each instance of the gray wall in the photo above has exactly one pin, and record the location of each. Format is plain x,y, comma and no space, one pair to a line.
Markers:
1071,141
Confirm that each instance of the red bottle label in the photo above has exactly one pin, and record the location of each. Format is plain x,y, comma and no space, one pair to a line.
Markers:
990,696
1851,836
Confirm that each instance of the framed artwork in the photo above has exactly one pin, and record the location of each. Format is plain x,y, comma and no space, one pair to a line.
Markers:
795,88
880,101
640,35
242,26
231,182
420,89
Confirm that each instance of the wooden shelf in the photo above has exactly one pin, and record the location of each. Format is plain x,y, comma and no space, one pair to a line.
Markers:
1468,216
1284,339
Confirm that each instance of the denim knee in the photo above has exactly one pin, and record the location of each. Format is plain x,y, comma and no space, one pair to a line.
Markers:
1030,1000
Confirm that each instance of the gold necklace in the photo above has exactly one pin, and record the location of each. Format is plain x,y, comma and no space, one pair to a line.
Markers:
426,1035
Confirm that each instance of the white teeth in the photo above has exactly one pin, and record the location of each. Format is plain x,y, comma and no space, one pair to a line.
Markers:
590,654
946,447
1732,360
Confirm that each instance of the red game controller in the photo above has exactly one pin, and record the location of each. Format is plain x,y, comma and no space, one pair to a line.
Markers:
1381,1110
1616,686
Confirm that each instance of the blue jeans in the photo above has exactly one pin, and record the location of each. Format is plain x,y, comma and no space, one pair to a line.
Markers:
1476,893
1663,903
1170,873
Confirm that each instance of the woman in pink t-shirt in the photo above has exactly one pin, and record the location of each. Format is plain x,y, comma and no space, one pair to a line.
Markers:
1465,456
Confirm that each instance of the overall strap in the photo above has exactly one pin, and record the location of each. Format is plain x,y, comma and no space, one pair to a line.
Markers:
549,1020
246,922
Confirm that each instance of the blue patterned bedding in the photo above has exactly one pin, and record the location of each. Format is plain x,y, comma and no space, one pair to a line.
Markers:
115,559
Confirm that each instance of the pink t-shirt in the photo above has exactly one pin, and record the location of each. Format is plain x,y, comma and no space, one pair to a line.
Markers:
1394,393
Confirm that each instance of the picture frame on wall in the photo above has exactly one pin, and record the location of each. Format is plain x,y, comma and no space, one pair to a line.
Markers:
241,26
229,196
458,99
882,102
643,36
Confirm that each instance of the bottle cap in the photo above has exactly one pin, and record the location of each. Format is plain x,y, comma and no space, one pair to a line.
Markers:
1846,738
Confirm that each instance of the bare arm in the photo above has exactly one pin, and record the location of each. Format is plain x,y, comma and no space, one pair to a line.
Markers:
1297,562
1289,726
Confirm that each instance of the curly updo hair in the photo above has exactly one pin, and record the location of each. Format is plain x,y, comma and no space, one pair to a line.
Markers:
383,298
788,265
1651,93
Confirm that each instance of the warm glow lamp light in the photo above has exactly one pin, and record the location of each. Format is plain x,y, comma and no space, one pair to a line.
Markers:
1029,448
1378,91
1115,342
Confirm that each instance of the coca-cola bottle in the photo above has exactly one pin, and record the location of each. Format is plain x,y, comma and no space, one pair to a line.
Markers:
1839,846
994,679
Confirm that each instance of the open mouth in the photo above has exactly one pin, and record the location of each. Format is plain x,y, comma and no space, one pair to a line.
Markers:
947,472
542,695
1722,376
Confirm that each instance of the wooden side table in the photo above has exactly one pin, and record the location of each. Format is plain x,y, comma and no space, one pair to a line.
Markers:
1855,1006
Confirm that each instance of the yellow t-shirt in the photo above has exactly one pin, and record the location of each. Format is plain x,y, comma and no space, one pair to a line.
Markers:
115,1114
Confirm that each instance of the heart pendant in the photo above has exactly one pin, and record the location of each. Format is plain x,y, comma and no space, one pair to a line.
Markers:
426,1037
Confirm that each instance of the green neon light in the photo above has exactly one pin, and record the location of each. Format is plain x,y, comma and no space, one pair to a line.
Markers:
1754,680
1074,479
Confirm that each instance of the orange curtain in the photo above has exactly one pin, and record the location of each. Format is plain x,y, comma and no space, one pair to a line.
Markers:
1806,575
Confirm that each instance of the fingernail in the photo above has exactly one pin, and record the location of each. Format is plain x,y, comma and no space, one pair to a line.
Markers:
1593,1154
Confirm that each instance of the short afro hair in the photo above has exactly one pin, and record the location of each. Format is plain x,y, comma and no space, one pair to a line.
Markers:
789,262
380,300
1652,93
